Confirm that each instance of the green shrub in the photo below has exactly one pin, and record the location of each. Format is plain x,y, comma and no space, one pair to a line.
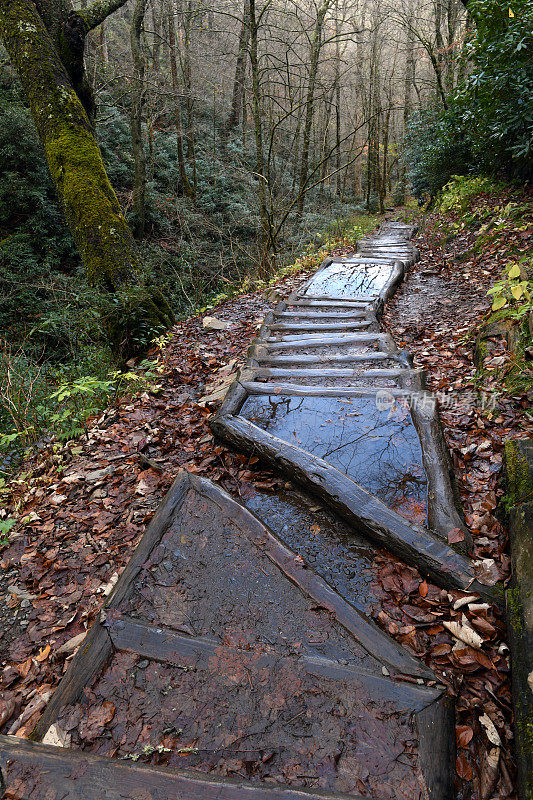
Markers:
488,126
461,189
436,147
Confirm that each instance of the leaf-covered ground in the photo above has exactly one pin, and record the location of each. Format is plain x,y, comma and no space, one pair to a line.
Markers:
86,504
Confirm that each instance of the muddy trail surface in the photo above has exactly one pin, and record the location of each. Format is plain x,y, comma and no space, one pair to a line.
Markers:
327,630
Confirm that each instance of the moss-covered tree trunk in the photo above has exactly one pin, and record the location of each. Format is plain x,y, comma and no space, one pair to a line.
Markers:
104,241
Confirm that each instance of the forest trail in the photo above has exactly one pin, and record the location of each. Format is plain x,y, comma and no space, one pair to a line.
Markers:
283,681
259,610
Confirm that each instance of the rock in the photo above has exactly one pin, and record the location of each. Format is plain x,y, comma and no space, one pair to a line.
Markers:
215,324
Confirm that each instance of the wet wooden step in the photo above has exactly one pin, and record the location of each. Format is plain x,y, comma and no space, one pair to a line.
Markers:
321,340
32,771
220,652
316,326
323,315
263,356
341,279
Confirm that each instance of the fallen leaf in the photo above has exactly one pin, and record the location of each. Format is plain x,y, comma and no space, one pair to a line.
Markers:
57,737
44,652
490,729
464,601
489,773
70,645
456,535
463,768
463,734
215,324
465,634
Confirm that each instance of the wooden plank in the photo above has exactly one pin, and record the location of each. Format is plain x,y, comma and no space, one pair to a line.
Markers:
311,325
330,358
444,506
339,300
166,646
414,545
358,624
324,315
298,390
279,372
33,771
325,341
302,302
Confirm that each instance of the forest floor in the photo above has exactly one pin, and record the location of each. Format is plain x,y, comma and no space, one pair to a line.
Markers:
85,505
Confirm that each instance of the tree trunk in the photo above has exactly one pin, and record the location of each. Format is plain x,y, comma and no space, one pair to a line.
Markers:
98,226
259,146
314,56
104,50
452,15
409,77
462,69
186,69
374,188
68,30
385,177
240,70
338,122
358,168
186,186
137,103
437,55
156,47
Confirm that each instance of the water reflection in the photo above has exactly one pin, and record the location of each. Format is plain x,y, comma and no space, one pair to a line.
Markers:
350,280
380,450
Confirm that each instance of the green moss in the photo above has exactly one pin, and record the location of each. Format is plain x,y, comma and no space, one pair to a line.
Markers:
518,472
91,207
498,316
98,226
514,609
524,726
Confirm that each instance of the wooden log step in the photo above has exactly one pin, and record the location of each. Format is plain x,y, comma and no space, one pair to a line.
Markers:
416,546
195,504
323,315
323,341
370,260
262,356
320,326
303,301
166,646
362,299
346,372
294,389
32,771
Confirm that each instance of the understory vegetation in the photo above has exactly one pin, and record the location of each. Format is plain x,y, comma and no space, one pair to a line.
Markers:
484,126
240,148
56,368
491,224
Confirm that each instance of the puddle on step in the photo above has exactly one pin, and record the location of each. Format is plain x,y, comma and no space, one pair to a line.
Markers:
350,280
378,449
329,546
